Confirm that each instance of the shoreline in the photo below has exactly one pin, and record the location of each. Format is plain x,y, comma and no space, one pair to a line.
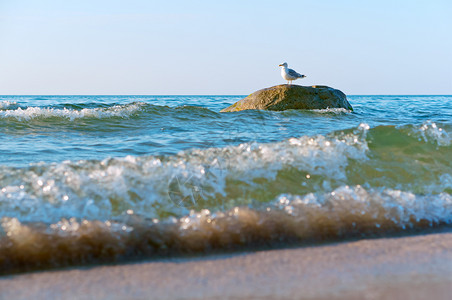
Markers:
413,267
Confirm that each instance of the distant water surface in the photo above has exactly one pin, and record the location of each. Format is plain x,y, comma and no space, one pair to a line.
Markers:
89,179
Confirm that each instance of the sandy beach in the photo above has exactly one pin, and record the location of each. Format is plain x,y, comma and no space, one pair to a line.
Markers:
412,267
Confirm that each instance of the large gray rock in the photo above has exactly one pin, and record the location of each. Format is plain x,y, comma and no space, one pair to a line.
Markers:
282,97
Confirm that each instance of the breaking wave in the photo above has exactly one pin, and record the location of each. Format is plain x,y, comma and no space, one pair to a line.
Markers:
71,114
356,182
343,213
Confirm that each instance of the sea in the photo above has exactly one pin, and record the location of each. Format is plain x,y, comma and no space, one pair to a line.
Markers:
88,180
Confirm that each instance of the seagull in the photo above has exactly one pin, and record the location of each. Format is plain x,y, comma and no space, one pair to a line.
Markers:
289,74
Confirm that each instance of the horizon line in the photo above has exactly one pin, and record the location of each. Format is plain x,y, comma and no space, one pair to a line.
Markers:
205,95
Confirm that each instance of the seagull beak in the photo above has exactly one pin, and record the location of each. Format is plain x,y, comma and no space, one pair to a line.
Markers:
280,65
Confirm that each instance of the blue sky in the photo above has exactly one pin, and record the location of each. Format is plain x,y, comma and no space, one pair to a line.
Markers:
228,47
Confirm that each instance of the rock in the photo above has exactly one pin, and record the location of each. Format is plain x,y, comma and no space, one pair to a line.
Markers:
282,97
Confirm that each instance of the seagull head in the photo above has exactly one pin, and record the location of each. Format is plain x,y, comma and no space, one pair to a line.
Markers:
283,65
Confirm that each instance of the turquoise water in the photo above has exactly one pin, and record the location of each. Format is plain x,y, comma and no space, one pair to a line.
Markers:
57,128
89,179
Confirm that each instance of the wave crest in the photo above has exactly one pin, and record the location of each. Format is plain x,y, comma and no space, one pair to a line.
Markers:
6,104
29,113
346,212
219,178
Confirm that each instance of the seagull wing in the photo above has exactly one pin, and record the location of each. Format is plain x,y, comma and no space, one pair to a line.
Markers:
293,73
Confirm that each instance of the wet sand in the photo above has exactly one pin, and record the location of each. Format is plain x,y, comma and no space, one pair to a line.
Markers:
412,267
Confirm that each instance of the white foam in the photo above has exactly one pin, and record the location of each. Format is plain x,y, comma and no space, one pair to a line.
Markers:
376,206
431,131
99,190
213,178
123,111
332,110
6,104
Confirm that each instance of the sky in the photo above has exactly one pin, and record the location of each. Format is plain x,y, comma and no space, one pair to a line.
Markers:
145,47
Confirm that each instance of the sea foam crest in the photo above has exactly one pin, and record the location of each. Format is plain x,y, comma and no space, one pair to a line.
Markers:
376,206
123,111
171,184
430,130
213,178
335,110
6,104
345,212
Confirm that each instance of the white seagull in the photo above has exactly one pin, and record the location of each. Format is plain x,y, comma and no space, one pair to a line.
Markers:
289,74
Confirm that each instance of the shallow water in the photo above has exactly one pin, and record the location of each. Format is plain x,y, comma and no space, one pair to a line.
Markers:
88,179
